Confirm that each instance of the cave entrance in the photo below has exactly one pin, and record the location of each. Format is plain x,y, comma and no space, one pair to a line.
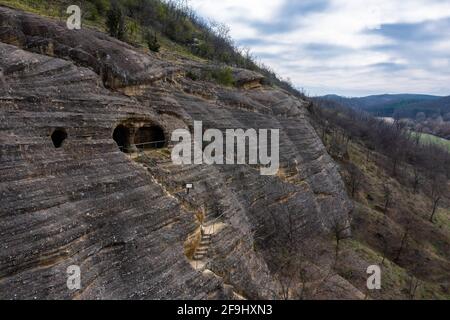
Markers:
121,136
151,137
58,136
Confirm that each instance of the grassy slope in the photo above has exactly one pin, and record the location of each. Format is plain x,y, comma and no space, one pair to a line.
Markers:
174,44
428,138
57,10
426,255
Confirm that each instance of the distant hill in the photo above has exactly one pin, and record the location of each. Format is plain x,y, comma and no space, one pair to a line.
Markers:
430,108
386,105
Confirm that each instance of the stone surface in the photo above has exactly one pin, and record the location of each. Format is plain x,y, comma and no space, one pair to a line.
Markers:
123,222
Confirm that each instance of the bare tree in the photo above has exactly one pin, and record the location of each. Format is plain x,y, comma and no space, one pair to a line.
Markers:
289,261
403,243
368,155
290,270
354,179
438,185
396,138
418,135
414,284
337,146
387,196
385,247
416,180
341,231
436,200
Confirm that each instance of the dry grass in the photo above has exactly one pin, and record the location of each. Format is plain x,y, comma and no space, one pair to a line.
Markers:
192,244
426,256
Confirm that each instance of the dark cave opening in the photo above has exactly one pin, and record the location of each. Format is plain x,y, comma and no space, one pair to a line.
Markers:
58,136
152,137
121,136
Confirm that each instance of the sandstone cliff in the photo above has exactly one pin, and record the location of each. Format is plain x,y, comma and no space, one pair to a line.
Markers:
125,222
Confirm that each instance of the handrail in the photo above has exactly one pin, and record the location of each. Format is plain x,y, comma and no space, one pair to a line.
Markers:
147,143
142,144
213,222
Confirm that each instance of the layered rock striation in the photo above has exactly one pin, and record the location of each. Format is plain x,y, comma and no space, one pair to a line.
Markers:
126,222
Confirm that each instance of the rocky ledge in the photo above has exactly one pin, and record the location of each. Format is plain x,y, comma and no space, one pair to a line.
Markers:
70,196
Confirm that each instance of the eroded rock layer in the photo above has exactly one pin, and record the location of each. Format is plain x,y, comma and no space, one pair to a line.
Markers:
126,222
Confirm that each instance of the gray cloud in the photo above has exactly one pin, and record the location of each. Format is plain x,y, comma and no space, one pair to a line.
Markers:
289,15
322,50
420,33
345,46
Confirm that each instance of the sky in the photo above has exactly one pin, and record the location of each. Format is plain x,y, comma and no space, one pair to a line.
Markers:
345,47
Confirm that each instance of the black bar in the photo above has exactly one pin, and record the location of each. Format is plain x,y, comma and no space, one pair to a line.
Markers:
360,310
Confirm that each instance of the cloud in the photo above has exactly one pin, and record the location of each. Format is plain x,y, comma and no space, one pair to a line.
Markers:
350,47
422,32
388,67
287,16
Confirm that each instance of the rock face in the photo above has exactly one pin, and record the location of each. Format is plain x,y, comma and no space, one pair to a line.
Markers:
126,222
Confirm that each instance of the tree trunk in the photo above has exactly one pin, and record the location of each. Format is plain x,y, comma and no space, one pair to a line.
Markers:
435,206
402,246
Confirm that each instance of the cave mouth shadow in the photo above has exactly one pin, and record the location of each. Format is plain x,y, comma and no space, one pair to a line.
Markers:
121,136
150,137
58,137
130,138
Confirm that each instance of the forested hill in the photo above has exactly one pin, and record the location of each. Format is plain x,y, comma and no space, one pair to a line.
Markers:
430,108
402,105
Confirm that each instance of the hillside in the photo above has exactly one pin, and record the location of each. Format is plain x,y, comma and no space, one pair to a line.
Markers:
168,27
73,100
387,105
421,113
432,108
86,176
401,210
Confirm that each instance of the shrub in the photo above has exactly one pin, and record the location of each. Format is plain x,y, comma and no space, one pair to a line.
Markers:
127,20
195,76
152,41
224,76
100,6
115,21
